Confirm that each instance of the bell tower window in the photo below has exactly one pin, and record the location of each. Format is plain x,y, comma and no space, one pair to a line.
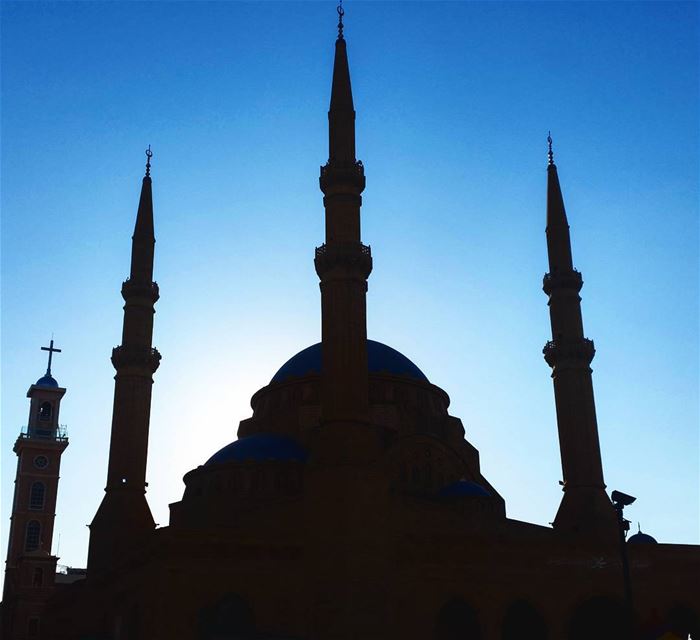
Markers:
45,411
31,541
36,496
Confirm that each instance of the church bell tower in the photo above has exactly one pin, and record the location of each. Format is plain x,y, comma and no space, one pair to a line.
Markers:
30,567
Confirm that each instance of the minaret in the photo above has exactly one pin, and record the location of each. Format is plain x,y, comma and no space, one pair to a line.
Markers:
585,507
124,516
30,569
343,263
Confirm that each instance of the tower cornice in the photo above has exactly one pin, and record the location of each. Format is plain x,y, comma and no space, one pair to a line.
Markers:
342,178
570,280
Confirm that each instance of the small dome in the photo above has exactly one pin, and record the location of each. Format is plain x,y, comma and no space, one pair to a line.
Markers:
641,538
46,381
260,447
464,488
380,359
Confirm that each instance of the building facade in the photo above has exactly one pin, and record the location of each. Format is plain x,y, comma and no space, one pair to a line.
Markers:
352,505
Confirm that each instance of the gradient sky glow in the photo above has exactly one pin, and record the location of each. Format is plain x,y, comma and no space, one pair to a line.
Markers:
453,103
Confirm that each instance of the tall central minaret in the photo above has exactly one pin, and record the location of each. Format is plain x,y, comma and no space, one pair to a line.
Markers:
585,507
124,516
343,263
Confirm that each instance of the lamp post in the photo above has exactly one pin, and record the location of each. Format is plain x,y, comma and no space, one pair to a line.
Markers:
620,501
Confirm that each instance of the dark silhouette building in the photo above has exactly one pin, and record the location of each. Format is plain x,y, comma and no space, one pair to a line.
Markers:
351,505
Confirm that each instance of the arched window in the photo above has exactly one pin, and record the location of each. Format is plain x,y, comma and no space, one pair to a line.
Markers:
38,577
31,540
415,476
683,622
36,496
258,481
230,617
457,621
600,618
428,476
523,622
45,411
33,627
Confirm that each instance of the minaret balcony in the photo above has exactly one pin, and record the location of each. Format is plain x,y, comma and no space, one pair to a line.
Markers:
569,279
577,351
132,289
352,256
338,176
140,359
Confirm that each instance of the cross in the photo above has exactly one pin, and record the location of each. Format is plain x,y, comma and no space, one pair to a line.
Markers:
51,351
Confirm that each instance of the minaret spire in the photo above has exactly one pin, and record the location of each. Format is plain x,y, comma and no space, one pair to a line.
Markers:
585,507
149,155
341,13
124,515
144,240
341,116
343,263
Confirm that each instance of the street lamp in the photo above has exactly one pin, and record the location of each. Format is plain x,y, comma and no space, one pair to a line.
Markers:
620,501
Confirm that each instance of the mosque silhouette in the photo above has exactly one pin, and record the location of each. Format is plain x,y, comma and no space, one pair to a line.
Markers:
351,505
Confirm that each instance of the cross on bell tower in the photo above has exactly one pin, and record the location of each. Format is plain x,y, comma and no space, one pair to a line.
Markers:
51,349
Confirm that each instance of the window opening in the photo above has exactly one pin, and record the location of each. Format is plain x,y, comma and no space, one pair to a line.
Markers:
33,627
36,496
45,411
33,536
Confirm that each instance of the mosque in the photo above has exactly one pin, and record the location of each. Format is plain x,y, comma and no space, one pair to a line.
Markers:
351,505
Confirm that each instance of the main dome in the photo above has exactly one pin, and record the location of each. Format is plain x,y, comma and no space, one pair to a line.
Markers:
259,447
380,359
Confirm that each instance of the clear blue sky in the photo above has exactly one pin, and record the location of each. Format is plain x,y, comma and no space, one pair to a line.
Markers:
454,101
